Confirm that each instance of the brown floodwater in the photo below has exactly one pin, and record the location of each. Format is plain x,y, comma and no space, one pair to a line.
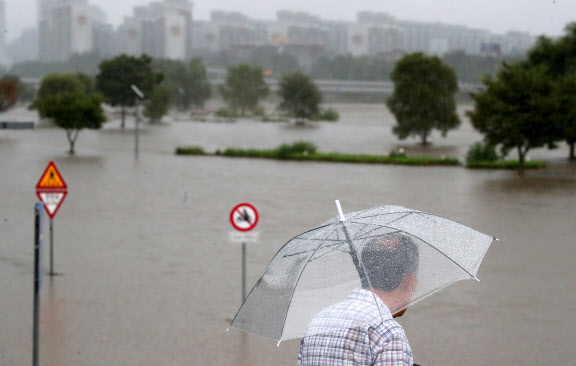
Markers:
147,275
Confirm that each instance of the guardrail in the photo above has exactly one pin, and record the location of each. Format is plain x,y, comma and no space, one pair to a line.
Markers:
12,125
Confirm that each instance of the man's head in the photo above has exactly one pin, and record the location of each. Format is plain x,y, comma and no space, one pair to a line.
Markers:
389,260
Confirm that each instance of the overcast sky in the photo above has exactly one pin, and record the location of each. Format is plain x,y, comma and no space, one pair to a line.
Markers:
535,16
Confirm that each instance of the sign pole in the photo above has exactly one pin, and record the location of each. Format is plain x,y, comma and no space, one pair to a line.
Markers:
136,133
37,264
51,248
51,190
243,271
140,95
244,218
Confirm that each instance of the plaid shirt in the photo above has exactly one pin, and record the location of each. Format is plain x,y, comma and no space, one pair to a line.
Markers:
354,333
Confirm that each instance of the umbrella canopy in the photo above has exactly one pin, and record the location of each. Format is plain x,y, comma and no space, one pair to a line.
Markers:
322,266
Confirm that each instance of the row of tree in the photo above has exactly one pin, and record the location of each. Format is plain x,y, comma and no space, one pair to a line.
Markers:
532,103
74,101
528,104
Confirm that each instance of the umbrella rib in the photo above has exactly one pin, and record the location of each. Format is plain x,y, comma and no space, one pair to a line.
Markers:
419,213
296,285
432,246
309,250
266,271
407,213
299,235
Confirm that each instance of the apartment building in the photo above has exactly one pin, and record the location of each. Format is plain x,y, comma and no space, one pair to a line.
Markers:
160,29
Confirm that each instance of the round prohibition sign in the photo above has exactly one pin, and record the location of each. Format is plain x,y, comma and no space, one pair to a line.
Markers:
244,217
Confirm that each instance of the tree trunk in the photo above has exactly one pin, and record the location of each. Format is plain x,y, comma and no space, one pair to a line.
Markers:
424,138
123,114
72,136
571,144
521,159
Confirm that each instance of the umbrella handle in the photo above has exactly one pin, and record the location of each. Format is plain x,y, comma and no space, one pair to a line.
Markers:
340,213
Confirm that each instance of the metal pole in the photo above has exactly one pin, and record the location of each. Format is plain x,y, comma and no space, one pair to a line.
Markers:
51,249
136,132
36,331
243,271
140,95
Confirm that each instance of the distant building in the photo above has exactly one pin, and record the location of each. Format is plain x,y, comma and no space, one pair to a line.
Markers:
65,28
161,30
225,31
25,47
3,26
373,34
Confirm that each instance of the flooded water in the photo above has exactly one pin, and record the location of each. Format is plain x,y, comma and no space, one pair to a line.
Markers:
147,275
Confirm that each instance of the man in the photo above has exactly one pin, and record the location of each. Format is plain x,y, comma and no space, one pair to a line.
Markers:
361,330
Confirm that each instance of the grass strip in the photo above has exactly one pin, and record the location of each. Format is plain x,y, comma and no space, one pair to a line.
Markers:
324,157
505,164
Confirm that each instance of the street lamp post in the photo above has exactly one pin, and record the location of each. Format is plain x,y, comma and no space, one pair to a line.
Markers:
140,97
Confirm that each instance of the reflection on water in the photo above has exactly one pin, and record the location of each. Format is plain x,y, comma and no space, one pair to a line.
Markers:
149,278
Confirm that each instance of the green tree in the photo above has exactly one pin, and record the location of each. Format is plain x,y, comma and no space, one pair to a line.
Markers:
9,91
159,103
559,57
244,88
565,97
197,90
57,83
424,97
88,82
299,96
188,82
54,84
73,111
515,111
118,75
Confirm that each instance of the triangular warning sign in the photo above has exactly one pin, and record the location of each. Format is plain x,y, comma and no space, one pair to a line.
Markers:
52,201
51,178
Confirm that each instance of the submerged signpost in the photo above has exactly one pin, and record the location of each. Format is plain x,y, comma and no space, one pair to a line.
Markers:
140,95
244,218
38,229
51,189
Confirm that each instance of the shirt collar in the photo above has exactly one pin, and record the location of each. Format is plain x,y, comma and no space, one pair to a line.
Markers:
368,296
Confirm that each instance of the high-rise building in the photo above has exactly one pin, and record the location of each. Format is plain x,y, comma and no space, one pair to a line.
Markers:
373,34
161,29
2,26
65,28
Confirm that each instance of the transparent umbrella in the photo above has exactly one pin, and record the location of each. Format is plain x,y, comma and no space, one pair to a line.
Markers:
320,267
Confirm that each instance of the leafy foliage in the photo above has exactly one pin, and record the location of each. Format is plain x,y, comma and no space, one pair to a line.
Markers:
9,92
423,98
298,147
118,74
159,103
482,152
244,88
559,58
55,84
329,114
565,98
73,111
188,82
299,96
516,109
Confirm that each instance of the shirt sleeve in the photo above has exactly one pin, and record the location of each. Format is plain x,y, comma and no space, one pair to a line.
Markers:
395,352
